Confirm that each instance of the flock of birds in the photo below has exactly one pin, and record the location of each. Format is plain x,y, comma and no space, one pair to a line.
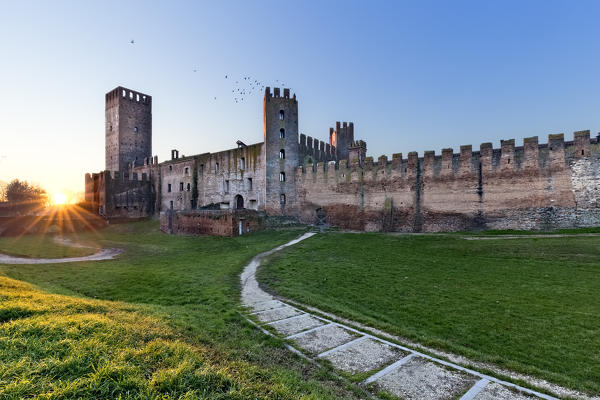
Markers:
243,87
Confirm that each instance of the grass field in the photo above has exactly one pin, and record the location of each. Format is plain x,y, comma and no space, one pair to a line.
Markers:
40,246
530,305
160,321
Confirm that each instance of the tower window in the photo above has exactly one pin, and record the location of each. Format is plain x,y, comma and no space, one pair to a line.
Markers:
281,133
169,188
181,186
137,97
216,167
124,94
242,163
130,95
226,186
135,129
249,183
282,198
171,204
281,115
188,187
282,154
170,168
187,170
282,177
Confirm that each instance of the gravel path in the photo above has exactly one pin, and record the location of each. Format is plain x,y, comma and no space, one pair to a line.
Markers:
388,366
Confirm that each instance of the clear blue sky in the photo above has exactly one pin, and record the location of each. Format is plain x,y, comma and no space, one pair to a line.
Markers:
412,76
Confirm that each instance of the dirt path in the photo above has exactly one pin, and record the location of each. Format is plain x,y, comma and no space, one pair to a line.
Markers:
385,365
102,254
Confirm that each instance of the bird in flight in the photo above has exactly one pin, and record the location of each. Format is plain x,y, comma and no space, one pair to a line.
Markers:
132,41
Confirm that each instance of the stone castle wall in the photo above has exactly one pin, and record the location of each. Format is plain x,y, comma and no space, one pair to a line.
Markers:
536,186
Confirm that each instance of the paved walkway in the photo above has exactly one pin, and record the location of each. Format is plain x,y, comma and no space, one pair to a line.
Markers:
387,366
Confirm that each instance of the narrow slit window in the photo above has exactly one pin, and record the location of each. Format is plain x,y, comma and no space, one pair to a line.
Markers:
282,177
282,133
282,154
169,188
217,167
181,186
282,198
242,163
187,170
189,187
281,115
226,186
249,183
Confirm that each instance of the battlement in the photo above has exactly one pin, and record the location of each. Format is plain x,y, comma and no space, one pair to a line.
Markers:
121,93
509,158
341,137
357,144
277,94
316,149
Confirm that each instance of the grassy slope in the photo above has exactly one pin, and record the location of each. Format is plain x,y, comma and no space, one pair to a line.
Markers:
165,322
40,246
530,305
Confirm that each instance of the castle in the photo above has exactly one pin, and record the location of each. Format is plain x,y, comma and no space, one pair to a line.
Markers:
534,186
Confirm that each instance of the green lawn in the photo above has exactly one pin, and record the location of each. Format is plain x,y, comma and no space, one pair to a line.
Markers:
42,246
530,305
160,321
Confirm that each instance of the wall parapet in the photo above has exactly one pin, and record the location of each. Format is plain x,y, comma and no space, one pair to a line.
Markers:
508,158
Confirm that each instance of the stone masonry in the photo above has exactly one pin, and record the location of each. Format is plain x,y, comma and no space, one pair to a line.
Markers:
534,186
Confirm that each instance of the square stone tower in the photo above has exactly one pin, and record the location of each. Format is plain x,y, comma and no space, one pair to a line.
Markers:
128,138
281,150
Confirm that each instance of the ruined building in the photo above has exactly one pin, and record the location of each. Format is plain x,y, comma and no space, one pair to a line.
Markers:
534,186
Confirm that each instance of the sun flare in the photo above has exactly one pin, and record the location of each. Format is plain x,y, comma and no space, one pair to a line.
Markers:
59,198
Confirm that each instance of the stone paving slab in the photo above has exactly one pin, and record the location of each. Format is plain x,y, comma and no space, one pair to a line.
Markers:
266,305
294,325
277,314
364,356
494,391
318,341
423,379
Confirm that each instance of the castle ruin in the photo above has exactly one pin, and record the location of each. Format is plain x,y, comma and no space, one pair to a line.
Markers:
535,186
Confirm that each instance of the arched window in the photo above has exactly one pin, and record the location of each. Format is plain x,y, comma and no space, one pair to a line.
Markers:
135,129
281,133
282,154
281,115
188,187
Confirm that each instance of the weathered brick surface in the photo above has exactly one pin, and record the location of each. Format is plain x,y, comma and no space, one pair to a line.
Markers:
211,222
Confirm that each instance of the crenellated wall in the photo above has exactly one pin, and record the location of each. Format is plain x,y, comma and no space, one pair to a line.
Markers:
534,186
314,149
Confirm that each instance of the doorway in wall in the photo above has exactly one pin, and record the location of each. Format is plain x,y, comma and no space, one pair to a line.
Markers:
239,202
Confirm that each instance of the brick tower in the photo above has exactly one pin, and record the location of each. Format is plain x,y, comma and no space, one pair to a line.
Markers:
281,150
342,137
128,117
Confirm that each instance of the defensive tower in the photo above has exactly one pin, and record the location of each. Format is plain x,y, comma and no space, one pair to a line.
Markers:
342,137
128,117
281,150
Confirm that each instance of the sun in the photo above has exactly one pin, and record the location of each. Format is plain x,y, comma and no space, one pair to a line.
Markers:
59,198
